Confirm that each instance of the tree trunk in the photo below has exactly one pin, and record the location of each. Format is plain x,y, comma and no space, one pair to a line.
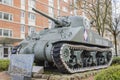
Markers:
115,45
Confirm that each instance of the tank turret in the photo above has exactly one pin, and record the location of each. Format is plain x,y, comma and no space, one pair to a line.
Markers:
71,45
58,22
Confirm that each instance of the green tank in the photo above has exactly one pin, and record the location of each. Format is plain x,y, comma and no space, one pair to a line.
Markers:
69,44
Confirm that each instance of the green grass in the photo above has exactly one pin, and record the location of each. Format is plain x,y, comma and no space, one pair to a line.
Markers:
111,73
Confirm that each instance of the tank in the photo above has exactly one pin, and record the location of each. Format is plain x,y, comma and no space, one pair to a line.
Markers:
69,44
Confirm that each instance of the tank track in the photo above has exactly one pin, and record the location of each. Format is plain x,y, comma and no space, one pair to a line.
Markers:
71,58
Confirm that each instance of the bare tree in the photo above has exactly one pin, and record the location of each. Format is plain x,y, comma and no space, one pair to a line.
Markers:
113,29
113,26
97,10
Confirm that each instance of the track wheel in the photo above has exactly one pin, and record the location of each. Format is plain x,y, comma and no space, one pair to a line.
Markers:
66,54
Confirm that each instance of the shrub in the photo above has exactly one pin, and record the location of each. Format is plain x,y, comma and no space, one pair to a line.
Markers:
115,61
4,63
112,73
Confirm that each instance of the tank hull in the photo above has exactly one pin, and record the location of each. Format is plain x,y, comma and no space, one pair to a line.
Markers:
69,44
42,47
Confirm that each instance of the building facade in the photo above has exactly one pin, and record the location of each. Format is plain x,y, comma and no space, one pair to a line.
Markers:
17,19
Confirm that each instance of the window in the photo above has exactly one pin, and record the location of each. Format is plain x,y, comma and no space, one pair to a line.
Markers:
51,9
22,28
8,2
51,3
6,52
31,4
22,17
31,29
11,17
51,12
0,32
6,32
31,16
6,16
10,33
22,31
22,14
23,4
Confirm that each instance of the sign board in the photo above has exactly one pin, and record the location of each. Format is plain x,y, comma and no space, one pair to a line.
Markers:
21,64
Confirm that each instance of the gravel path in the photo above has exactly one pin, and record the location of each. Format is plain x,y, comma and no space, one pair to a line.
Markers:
90,78
4,76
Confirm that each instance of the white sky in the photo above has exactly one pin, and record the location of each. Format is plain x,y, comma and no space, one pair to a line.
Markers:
116,4
117,11
116,0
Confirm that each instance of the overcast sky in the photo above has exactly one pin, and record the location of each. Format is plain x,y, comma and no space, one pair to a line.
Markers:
116,7
117,12
116,0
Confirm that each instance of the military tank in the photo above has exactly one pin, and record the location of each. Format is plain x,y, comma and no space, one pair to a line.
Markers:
69,44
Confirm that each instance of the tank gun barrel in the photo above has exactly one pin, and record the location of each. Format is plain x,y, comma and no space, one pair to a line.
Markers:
43,14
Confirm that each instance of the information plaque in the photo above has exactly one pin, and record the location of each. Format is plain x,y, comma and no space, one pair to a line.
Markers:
21,64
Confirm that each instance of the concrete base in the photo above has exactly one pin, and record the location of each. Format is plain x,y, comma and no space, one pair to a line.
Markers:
38,70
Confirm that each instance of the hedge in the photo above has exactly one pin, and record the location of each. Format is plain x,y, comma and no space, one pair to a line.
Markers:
4,64
116,61
112,73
